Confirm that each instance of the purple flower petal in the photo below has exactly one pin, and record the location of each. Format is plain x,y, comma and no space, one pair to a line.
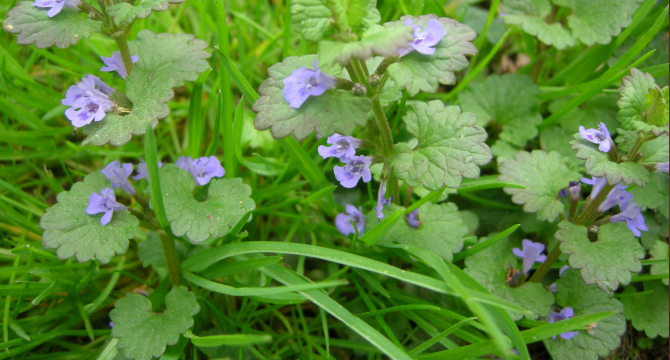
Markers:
304,82
412,220
662,167
342,220
630,213
531,254
357,167
598,184
565,314
618,196
599,136
202,169
142,171
117,175
89,101
381,200
115,63
424,41
105,202
343,146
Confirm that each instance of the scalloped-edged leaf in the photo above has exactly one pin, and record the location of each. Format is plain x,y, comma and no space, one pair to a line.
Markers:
604,335
598,164
177,56
417,72
149,92
648,312
654,193
336,111
506,101
643,106
652,151
360,14
151,251
311,18
660,252
490,266
376,41
441,231
227,201
530,16
554,138
126,13
544,175
596,21
33,26
607,262
450,147
144,334
68,228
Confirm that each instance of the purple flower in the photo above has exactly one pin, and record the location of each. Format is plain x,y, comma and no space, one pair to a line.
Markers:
598,136
381,200
117,175
598,184
203,169
618,196
553,287
630,213
105,202
342,220
111,324
530,254
356,167
304,82
115,63
56,5
573,190
412,220
662,167
142,171
424,40
565,314
88,101
343,146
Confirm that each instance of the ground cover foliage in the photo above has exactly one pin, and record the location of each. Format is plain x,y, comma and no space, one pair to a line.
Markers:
316,179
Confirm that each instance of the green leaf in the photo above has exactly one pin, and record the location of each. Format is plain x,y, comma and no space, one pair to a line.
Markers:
417,72
376,41
68,228
543,175
441,231
652,151
587,299
648,312
177,56
359,14
554,138
144,334
600,108
490,266
660,252
450,147
149,92
654,193
641,109
151,251
606,262
336,111
127,13
33,26
530,16
596,21
227,201
506,101
598,164
311,18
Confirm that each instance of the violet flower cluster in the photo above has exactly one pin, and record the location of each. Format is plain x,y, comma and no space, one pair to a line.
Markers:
304,82
425,39
630,212
88,100
55,6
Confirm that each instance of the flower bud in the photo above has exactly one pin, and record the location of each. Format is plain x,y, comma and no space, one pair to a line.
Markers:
359,89
573,190
374,80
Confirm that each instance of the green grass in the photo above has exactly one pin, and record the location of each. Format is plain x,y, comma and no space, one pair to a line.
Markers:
55,309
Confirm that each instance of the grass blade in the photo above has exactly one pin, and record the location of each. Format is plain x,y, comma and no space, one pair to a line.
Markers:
196,124
481,246
230,340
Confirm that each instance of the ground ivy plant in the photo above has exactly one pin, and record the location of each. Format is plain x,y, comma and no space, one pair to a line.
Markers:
594,193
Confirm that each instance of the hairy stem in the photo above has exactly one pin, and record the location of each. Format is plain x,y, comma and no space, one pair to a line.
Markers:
172,258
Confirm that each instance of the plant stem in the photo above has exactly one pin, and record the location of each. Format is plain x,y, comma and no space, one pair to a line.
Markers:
122,43
172,258
546,265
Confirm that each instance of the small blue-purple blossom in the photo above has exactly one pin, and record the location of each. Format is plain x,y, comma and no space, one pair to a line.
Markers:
142,171
117,174
344,225
343,147
357,167
598,136
381,200
111,324
598,184
56,5
412,220
631,214
304,82
88,101
105,202
662,167
572,189
115,63
618,196
531,253
424,41
553,287
565,314
202,169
